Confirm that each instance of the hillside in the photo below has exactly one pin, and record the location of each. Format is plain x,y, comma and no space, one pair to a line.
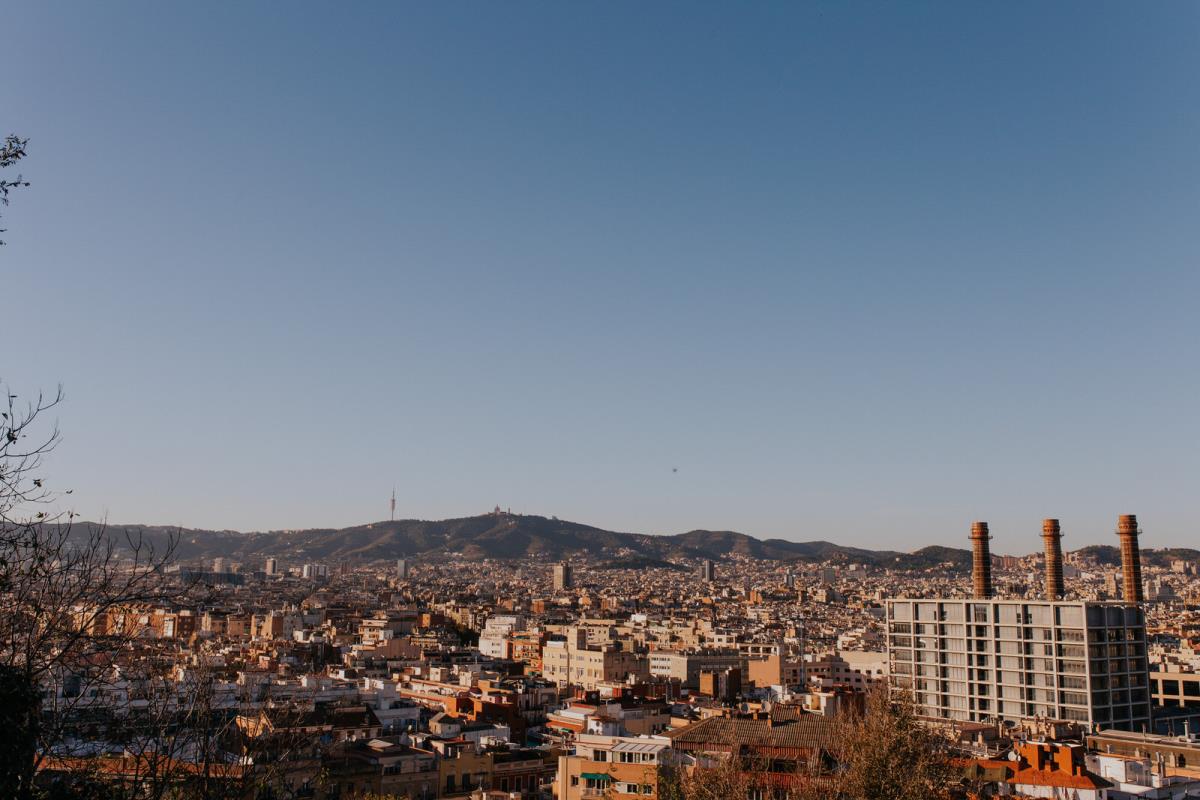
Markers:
1110,555
511,536
500,536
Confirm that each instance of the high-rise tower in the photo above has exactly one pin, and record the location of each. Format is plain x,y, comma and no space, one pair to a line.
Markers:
562,576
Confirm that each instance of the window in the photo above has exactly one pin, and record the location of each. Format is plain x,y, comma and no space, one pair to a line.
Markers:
1070,615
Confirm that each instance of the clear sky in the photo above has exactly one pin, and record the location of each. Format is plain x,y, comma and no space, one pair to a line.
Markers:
860,272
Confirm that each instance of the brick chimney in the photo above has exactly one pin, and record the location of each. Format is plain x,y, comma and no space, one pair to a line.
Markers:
1052,537
981,560
1131,558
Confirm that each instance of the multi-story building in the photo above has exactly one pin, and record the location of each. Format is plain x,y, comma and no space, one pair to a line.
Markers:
611,767
723,685
853,669
493,640
686,667
562,576
981,659
574,662
1175,688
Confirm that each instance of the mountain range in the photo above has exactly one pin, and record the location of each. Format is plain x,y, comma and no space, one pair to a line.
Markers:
522,536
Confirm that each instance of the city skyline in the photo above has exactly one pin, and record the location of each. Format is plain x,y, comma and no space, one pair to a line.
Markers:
565,401
844,272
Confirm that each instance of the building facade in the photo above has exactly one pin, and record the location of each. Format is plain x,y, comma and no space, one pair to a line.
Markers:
562,576
1175,688
574,662
983,659
611,766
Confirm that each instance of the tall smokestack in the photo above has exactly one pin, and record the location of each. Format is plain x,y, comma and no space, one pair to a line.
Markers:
1052,537
981,561
1131,558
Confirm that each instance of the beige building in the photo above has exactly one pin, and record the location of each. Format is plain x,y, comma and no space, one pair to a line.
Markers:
1174,687
574,662
611,767
774,670
686,667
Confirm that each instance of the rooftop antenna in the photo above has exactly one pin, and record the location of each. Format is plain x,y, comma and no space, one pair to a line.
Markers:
393,517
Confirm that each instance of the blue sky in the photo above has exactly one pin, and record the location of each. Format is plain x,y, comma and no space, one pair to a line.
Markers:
861,272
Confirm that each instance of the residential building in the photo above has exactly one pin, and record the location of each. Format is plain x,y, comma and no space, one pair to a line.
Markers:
983,659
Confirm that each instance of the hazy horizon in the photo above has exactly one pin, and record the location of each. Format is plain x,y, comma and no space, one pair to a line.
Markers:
1001,543
850,271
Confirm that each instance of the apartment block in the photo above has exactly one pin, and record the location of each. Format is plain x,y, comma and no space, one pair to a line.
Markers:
982,659
574,662
611,767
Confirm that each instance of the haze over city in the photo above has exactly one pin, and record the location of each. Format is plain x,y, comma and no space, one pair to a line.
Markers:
840,271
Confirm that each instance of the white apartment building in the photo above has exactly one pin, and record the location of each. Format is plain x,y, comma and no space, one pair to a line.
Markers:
493,639
984,659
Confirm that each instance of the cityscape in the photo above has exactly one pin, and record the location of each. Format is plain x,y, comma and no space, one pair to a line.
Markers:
607,675
600,401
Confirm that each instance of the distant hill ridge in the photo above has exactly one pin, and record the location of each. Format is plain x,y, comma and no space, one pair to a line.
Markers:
523,536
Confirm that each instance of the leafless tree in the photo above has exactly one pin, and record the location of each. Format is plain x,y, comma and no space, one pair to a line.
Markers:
887,753
715,779
744,777
882,752
12,151
69,595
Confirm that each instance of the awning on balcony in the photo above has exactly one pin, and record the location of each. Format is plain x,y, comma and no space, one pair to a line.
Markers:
596,776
